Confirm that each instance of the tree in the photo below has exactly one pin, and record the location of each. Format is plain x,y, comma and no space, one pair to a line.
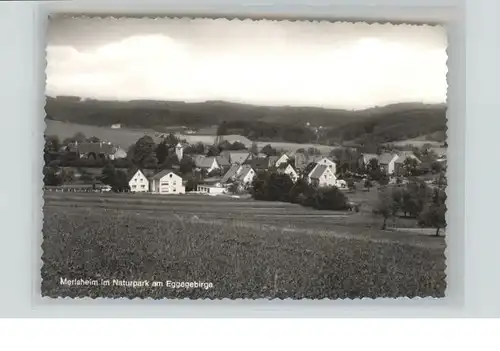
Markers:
224,145
162,151
254,148
51,177
170,141
410,166
301,192
222,129
237,146
271,186
383,180
351,184
93,139
144,152
414,197
120,183
79,137
436,167
191,184
52,143
434,213
384,207
313,151
108,175
268,150
67,176
170,162
329,198
186,165
368,184
234,188
197,148
213,151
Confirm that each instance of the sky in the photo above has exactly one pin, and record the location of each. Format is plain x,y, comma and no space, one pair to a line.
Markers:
322,64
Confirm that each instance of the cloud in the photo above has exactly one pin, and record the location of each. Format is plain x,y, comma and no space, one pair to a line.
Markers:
356,73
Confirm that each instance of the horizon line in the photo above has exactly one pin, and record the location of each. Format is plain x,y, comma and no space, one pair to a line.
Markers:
81,98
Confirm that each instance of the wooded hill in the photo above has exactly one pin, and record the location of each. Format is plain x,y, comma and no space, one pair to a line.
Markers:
286,123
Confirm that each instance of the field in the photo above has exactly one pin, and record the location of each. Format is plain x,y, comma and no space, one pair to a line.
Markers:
124,137
245,248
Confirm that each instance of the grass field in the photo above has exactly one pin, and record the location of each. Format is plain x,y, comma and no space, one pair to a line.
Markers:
125,137
245,248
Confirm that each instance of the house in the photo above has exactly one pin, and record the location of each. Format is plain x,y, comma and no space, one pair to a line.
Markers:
208,163
403,156
258,163
238,157
223,162
322,175
98,150
166,182
210,189
287,168
231,174
301,160
116,126
272,160
283,159
245,175
386,162
325,161
179,151
364,159
119,153
138,182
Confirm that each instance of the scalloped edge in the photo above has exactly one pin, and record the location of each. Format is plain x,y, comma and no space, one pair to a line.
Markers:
343,301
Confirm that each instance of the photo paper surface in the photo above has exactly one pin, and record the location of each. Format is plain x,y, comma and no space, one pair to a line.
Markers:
244,159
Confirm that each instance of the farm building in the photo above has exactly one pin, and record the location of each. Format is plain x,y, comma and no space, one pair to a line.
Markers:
102,150
322,175
210,189
167,182
289,170
207,163
330,163
138,182
240,174
403,156
231,173
365,159
245,175
119,153
235,157
283,159
386,162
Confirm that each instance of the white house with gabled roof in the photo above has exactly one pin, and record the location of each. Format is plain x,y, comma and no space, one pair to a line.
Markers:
138,182
325,161
282,160
322,175
167,182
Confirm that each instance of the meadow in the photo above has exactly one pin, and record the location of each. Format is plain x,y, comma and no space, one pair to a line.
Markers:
124,137
245,248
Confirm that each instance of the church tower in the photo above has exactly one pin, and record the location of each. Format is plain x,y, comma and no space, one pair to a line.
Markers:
179,151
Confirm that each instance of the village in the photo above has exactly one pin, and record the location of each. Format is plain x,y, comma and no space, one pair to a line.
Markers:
224,168
407,176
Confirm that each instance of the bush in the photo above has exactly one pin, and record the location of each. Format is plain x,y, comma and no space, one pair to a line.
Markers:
329,198
272,187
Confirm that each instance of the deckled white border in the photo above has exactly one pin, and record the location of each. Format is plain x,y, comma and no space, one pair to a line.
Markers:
376,26
32,121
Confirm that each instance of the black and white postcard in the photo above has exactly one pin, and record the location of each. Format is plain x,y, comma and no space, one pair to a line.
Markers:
244,159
